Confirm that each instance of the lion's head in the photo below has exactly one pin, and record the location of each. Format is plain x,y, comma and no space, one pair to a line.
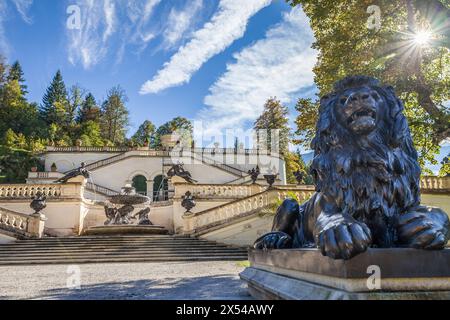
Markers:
364,155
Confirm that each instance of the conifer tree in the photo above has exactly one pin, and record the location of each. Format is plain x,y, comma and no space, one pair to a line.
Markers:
114,119
274,117
89,110
16,73
145,134
55,103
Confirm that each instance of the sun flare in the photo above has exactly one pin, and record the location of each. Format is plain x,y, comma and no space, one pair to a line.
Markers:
422,38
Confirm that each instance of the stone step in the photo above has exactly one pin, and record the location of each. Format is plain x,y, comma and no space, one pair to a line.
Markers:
104,246
104,249
95,255
112,247
115,238
119,250
134,242
125,260
112,241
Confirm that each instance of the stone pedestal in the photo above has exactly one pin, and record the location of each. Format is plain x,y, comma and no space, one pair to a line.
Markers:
304,274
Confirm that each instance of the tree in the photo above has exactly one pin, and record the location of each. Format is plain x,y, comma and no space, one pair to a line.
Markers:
55,104
16,73
145,134
180,125
89,110
274,117
294,163
418,70
15,164
114,120
445,169
90,134
3,69
306,122
15,112
10,138
75,101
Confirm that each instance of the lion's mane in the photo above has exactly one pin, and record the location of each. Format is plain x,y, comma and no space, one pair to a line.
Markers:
366,174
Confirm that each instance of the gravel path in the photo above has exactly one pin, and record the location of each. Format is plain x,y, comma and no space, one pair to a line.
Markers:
184,281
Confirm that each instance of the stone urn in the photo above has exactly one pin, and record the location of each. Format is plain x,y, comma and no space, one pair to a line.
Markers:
188,202
270,178
38,203
170,140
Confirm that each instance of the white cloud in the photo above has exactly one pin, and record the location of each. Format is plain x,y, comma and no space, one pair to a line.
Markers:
109,10
101,21
279,65
4,47
227,24
22,7
89,43
179,23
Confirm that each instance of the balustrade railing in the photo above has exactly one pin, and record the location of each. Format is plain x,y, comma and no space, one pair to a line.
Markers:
207,219
88,149
28,191
210,151
99,189
22,225
224,191
435,184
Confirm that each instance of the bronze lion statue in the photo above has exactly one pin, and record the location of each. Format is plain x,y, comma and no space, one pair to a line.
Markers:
367,180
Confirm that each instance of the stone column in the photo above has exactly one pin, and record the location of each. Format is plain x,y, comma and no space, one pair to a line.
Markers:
150,189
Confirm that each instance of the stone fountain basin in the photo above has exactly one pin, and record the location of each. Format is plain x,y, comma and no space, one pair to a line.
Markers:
124,199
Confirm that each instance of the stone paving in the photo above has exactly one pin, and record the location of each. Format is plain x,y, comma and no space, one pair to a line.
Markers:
182,281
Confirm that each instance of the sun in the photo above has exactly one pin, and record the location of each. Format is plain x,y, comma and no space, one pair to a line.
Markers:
422,38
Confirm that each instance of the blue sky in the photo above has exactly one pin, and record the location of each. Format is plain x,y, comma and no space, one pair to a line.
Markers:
210,61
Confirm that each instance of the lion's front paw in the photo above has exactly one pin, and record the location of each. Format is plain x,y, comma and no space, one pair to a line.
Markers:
273,240
423,228
342,237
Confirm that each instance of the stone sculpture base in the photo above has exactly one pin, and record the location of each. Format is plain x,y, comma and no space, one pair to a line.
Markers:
124,230
304,274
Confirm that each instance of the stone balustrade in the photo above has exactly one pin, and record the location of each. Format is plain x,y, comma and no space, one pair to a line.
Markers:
210,151
219,191
196,223
21,225
51,191
430,184
44,175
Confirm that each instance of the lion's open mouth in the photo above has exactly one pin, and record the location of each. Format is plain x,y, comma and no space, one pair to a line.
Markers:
361,116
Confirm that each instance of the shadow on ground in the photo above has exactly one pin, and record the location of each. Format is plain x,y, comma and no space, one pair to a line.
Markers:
200,288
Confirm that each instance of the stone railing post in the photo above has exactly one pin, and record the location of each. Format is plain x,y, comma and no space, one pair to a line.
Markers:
36,225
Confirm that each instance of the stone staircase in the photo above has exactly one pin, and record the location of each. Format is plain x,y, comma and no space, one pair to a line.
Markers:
166,154
206,221
116,249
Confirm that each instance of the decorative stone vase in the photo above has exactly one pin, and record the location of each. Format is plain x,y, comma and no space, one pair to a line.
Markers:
254,174
299,177
39,203
188,202
169,140
34,169
270,178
